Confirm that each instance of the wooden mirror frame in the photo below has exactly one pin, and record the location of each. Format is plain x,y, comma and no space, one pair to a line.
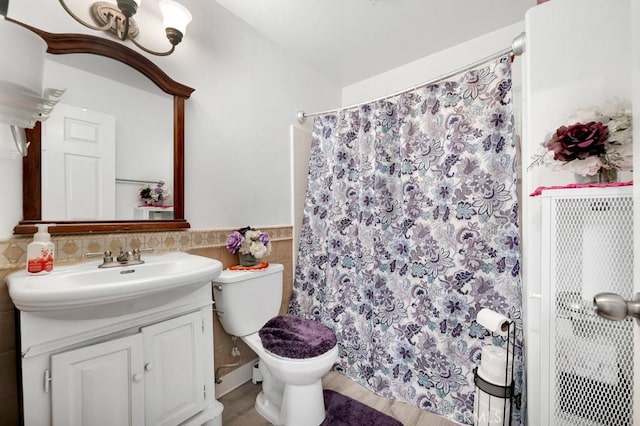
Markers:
31,164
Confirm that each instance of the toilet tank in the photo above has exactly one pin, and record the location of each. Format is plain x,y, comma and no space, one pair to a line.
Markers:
246,300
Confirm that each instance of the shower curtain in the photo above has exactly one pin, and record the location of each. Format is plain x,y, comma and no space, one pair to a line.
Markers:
410,228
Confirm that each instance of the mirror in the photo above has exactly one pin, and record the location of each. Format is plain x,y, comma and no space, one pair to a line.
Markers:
32,186
113,133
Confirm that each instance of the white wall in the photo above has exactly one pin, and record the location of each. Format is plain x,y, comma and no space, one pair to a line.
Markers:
434,66
237,121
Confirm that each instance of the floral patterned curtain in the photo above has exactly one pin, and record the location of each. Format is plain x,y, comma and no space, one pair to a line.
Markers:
410,228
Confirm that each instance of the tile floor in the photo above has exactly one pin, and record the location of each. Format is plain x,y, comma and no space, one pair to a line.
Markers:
239,404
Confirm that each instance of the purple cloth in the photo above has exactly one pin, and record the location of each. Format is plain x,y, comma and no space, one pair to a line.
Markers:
294,337
344,411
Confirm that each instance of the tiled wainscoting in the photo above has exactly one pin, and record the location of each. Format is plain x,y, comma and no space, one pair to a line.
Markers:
70,248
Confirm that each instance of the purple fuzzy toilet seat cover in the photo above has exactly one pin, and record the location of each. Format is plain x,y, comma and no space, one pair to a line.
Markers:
294,337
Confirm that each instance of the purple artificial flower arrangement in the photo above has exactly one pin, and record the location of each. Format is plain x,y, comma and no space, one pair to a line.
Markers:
155,195
249,241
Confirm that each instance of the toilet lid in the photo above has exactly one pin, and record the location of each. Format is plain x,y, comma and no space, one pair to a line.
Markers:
294,337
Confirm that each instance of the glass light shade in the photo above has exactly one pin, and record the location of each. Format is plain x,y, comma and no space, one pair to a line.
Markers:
23,56
175,15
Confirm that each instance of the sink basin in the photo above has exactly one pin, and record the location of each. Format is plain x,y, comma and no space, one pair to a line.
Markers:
86,287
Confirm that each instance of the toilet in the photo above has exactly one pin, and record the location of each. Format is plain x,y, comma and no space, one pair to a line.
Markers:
294,353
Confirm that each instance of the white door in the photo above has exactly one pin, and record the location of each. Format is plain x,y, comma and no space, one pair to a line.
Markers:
174,374
99,385
78,165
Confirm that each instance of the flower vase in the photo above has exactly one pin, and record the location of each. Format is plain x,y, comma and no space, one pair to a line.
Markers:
603,176
248,260
608,175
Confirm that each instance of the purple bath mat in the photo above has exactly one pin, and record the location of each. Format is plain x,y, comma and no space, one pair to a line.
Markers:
344,411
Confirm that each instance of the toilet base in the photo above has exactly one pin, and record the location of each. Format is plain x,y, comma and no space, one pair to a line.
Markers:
301,406
268,410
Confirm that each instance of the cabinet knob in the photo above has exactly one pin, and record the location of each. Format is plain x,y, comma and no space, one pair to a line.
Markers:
148,366
137,377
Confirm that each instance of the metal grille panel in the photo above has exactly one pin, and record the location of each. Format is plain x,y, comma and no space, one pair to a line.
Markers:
592,358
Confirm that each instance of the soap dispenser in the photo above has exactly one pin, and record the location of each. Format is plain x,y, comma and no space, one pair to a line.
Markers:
40,252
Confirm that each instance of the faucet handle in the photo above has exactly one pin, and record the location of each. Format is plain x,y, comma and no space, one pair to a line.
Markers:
106,256
94,254
137,251
145,250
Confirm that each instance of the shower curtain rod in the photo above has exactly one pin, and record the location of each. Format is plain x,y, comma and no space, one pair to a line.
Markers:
516,49
138,181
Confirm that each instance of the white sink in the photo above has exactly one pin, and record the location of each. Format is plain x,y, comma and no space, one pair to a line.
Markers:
91,291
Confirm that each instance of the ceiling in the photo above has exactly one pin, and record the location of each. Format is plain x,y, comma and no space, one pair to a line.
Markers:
350,40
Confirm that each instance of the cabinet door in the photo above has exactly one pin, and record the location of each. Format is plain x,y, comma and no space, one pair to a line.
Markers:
99,384
174,382
589,250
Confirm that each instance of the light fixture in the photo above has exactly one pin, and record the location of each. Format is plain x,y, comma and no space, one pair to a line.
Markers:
118,19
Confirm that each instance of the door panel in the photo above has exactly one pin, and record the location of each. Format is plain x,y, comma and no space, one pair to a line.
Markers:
99,385
174,376
78,170
589,249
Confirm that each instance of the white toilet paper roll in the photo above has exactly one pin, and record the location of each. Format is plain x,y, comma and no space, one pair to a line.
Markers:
493,321
493,366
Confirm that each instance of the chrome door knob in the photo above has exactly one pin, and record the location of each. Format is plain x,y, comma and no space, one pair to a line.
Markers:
137,377
613,307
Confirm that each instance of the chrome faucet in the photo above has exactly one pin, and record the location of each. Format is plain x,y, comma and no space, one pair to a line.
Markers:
125,258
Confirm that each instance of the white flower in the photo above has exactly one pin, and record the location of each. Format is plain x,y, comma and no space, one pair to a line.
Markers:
252,234
253,244
258,249
587,167
618,152
245,248
622,156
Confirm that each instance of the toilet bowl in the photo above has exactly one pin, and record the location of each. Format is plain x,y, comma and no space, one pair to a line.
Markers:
291,394
291,388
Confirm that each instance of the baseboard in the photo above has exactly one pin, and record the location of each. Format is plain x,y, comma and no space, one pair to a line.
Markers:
235,379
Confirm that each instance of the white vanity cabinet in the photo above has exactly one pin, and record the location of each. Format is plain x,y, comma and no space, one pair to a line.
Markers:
151,367
154,377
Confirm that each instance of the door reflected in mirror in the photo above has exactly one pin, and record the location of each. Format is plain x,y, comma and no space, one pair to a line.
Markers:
110,136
